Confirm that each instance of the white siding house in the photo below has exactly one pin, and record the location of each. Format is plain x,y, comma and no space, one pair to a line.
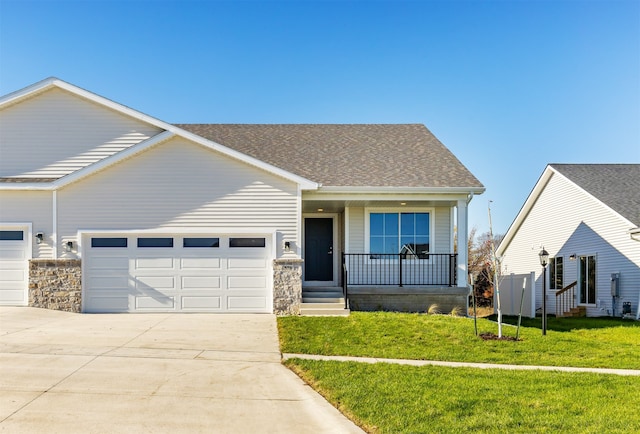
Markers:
106,209
582,215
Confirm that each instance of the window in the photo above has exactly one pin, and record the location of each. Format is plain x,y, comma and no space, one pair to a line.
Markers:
556,273
11,235
246,242
399,232
155,242
108,242
201,242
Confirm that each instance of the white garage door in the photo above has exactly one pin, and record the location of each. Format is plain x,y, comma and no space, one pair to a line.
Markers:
177,273
14,257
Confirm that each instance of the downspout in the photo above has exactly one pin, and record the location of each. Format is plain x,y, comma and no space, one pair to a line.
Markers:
54,223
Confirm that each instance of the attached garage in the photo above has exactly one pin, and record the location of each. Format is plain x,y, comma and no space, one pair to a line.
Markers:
14,271
177,273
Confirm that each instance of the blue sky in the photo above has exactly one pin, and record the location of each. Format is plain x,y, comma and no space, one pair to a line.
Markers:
508,86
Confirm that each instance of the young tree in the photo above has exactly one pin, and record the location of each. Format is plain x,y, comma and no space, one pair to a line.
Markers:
481,264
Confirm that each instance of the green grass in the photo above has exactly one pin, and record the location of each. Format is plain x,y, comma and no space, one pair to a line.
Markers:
598,343
404,399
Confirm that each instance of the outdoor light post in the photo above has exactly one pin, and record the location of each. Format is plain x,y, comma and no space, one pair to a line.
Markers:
544,259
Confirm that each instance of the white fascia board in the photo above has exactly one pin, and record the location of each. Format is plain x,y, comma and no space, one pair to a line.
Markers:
402,190
526,208
43,85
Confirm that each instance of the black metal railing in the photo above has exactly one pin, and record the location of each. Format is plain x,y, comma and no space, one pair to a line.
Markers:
399,269
345,285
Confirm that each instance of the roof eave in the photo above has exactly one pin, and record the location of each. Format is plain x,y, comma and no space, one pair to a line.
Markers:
401,190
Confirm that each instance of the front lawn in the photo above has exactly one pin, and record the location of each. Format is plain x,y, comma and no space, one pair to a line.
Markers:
579,342
389,398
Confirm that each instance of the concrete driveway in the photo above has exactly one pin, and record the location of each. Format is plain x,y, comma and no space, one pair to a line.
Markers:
65,372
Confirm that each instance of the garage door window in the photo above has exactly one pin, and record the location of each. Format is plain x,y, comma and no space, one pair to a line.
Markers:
155,242
201,242
246,242
109,242
11,235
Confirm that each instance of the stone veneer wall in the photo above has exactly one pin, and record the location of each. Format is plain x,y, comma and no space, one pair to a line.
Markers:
287,286
55,284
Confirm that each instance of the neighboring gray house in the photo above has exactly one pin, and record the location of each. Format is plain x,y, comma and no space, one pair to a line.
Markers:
106,209
587,217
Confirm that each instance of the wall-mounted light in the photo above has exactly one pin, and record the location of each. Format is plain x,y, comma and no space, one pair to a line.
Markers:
39,237
572,257
68,246
287,246
320,209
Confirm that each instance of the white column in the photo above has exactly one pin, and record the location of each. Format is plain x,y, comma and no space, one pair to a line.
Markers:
463,234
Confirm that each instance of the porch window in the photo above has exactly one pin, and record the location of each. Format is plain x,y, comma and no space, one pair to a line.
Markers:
556,273
400,232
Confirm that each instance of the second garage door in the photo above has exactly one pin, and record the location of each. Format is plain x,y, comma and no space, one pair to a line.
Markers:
177,273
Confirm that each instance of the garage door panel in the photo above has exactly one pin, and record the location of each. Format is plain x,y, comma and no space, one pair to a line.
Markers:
246,282
246,303
200,263
201,303
155,282
153,263
200,282
159,302
11,276
246,263
110,263
16,253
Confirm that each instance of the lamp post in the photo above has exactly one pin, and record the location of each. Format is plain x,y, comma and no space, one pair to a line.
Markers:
544,260
473,277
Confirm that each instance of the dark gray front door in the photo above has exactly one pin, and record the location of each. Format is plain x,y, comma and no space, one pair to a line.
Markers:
318,249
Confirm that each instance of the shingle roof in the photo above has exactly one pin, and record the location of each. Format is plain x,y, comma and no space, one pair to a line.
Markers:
616,185
405,155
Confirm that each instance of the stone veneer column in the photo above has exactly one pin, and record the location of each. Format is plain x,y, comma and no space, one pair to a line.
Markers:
287,286
55,284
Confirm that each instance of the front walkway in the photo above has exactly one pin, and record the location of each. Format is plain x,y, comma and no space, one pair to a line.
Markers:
631,372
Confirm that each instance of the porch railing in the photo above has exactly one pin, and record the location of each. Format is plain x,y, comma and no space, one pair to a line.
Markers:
566,299
400,269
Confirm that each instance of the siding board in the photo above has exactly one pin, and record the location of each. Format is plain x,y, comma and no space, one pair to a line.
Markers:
56,133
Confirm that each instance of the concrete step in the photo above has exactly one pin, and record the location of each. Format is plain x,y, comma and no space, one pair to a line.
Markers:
321,293
315,299
322,289
324,312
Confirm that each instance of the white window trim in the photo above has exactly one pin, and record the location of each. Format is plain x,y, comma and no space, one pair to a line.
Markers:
402,209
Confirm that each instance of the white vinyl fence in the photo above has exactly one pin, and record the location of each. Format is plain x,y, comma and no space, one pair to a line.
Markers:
511,294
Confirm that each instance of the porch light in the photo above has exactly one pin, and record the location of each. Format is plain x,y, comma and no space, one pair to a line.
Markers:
68,246
39,237
572,257
287,246
544,260
403,203
320,209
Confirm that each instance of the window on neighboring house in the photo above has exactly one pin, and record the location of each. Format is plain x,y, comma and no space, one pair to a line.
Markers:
556,273
399,232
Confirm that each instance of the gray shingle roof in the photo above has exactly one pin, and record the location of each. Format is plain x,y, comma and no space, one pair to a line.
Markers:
405,155
616,185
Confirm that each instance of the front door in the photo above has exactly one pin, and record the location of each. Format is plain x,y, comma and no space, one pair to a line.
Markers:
318,249
587,279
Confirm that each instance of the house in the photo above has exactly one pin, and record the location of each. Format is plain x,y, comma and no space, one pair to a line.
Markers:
106,209
586,216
